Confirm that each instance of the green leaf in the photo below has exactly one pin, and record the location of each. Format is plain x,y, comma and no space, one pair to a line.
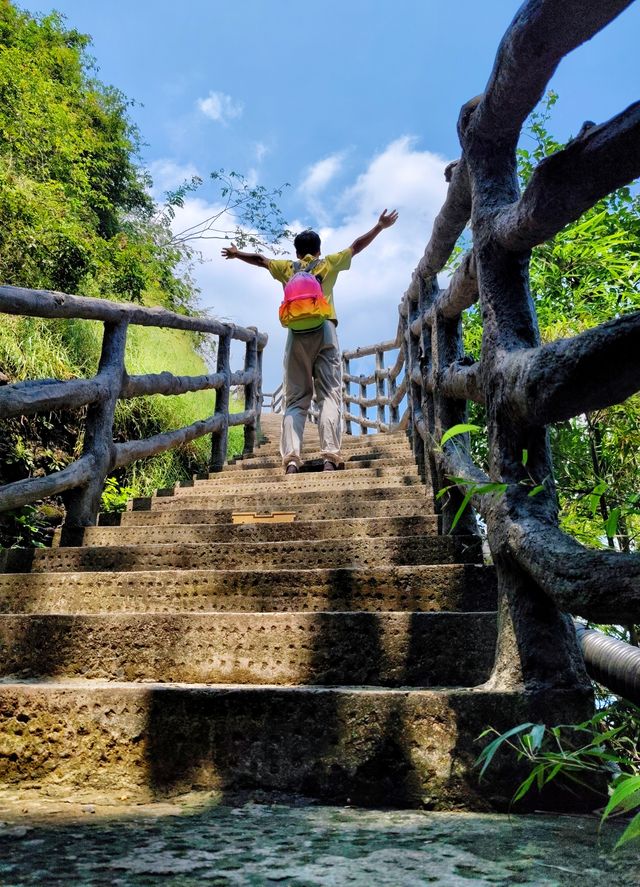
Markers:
467,498
627,787
611,524
487,753
524,786
632,831
536,490
491,488
458,429
525,457
536,737
595,495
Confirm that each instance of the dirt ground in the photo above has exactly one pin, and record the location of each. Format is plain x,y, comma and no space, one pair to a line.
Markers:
199,839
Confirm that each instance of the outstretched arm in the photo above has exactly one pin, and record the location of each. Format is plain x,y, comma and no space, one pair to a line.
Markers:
232,252
386,220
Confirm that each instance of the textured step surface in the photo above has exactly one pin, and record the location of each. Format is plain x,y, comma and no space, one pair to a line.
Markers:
359,528
358,461
386,649
168,648
324,482
285,500
304,479
367,746
305,511
305,554
421,589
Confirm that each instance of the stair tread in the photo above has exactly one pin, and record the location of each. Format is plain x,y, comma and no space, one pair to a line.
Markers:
74,683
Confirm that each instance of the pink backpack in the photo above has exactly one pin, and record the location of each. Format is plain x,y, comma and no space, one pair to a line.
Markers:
304,306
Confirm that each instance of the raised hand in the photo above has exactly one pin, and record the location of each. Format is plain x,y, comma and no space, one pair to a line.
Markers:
386,219
230,252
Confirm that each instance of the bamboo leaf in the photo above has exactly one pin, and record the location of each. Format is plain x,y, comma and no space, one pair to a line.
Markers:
611,524
462,428
632,831
487,753
627,787
467,498
537,735
524,786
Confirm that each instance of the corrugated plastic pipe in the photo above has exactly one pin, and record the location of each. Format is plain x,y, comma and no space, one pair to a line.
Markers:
613,663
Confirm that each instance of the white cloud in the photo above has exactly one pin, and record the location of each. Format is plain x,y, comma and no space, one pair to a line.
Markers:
167,174
220,107
367,296
318,176
261,151
315,180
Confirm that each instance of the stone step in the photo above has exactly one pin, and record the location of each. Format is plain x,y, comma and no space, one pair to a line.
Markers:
385,649
322,553
277,475
355,463
466,587
349,444
313,455
309,511
363,746
323,482
289,499
313,458
271,438
356,528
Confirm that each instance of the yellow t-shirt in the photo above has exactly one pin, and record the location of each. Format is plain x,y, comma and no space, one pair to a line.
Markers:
328,268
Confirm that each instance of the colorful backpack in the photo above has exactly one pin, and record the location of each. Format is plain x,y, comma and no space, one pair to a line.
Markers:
304,306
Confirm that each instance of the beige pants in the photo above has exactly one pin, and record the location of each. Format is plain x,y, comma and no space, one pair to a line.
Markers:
312,359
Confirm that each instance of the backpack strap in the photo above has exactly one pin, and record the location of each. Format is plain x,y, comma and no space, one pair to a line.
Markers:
297,266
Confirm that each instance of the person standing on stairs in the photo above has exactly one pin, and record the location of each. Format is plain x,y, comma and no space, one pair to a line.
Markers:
312,356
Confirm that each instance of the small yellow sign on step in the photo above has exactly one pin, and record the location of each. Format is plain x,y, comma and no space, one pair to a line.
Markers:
267,517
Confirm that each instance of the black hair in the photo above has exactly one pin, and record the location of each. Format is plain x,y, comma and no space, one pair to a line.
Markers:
307,243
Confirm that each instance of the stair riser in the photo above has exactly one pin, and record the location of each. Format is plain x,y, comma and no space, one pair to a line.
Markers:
292,500
381,649
349,446
323,554
274,466
447,587
304,512
396,473
410,749
297,530
350,456
323,482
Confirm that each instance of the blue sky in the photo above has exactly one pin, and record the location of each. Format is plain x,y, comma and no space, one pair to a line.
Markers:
355,105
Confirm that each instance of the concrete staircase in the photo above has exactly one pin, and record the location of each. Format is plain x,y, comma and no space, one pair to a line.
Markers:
335,655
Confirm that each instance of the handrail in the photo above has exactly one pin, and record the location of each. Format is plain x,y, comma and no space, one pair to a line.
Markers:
276,402
613,663
388,394
543,574
83,480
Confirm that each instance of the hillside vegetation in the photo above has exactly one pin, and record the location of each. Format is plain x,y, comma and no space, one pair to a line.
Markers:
76,216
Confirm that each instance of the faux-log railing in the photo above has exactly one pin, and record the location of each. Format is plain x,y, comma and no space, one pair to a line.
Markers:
543,574
82,481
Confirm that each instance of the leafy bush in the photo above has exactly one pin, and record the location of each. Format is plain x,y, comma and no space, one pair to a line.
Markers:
608,744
